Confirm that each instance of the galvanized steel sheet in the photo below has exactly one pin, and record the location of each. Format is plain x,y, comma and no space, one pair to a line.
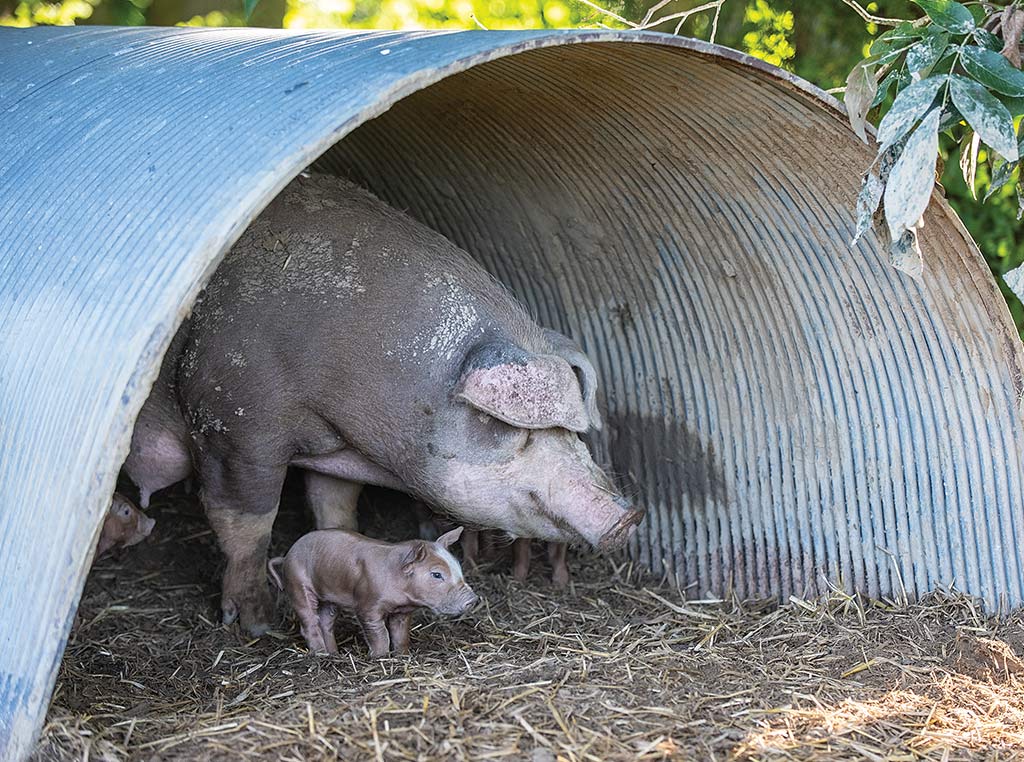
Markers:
793,412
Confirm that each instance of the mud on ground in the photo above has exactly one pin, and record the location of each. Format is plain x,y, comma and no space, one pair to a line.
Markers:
617,667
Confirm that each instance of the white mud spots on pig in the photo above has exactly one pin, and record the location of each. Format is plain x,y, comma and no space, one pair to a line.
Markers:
454,319
202,421
285,262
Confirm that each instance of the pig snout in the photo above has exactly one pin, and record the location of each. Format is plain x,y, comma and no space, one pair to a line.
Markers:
461,602
620,532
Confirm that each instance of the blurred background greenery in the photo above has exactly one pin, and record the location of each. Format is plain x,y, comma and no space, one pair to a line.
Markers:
820,40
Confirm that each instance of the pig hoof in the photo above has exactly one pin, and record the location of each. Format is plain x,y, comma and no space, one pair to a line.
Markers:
258,630
560,580
230,612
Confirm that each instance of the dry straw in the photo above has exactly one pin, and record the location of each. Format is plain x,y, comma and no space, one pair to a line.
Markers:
615,668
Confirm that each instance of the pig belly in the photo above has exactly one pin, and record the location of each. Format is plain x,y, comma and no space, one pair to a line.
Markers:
157,460
351,466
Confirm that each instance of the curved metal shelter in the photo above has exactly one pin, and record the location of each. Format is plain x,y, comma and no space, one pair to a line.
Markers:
793,412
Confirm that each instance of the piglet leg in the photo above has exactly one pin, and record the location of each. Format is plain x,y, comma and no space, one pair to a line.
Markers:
305,603
398,628
521,558
470,546
376,633
327,614
557,552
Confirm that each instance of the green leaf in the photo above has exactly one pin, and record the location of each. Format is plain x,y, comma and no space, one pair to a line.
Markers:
913,177
899,38
860,91
992,70
985,114
909,106
250,6
1002,173
951,16
898,77
924,55
1014,105
987,40
950,117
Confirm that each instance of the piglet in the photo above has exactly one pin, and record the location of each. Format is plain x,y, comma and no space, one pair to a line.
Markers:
381,582
124,525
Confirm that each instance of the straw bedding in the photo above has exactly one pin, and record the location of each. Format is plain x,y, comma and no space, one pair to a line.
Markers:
619,666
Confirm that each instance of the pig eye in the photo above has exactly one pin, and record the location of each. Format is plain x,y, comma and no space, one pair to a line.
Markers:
437,575
125,511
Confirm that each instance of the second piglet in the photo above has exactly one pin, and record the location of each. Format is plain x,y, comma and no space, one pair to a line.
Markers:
382,583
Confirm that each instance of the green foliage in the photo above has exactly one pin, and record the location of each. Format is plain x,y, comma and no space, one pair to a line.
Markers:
949,73
769,40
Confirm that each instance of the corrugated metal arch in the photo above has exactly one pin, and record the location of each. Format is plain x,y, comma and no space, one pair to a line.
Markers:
789,409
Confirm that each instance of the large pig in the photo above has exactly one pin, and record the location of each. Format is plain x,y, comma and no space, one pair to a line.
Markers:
343,337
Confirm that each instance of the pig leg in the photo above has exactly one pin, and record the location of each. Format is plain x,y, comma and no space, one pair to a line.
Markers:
241,502
470,546
327,614
306,604
398,628
557,552
376,632
333,501
521,558
425,521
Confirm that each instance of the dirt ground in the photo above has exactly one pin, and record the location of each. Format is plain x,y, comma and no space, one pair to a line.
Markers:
617,667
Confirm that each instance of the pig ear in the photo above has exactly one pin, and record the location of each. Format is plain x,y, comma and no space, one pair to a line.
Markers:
449,538
523,389
573,354
416,554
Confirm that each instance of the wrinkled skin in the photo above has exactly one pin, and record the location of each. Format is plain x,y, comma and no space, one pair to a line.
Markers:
124,526
382,583
342,337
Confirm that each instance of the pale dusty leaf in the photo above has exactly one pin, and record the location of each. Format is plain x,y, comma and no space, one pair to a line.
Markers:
905,254
992,70
969,160
912,177
926,53
860,92
1002,173
951,16
1014,280
910,105
867,202
987,40
871,189
985,114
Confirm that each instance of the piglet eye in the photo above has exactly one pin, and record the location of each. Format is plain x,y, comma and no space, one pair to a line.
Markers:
437,575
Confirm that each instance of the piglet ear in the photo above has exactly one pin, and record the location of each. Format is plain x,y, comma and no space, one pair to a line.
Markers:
449,538
523,389
417,553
